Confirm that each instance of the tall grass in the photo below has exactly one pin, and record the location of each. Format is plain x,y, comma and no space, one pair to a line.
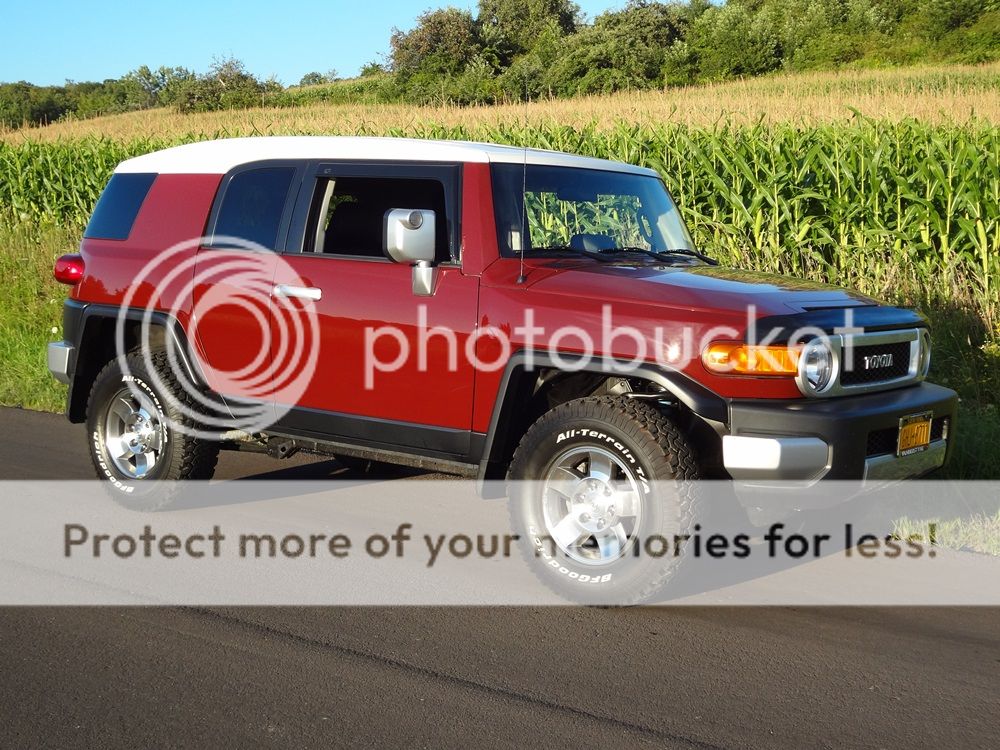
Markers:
31,305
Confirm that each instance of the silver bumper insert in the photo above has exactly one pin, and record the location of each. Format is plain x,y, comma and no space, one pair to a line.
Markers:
890,466
61,361
775,458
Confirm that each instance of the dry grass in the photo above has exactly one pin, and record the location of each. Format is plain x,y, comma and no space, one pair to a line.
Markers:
978,532
930,94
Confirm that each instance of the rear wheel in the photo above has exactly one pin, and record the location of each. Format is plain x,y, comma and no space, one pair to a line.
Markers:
603,489
137,433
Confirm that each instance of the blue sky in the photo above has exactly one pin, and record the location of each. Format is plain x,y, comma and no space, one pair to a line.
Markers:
50,41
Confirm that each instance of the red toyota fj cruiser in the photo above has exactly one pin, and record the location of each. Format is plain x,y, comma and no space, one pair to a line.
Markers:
482,310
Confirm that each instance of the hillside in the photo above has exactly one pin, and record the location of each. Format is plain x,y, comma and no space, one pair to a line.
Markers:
930,94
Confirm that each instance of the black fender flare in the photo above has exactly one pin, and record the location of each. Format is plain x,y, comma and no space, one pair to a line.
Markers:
92,329
519,374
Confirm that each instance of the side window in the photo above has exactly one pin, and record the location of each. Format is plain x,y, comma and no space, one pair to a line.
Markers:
253,204
347,213
118,206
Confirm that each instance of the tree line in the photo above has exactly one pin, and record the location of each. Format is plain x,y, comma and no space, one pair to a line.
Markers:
512,49
227,85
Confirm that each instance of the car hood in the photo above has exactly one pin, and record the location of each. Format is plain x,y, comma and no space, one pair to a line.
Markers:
692,287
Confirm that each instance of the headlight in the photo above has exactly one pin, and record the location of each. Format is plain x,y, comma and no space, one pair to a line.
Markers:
925,353
816,366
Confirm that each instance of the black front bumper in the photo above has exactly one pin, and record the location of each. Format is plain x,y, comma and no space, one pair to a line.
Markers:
857,431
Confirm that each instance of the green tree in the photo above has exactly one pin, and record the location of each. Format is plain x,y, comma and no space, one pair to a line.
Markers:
529,76
373,68
170,83
316,78
227,85
509,28
623,49
441,43
947,15
312,79
24,103
733,40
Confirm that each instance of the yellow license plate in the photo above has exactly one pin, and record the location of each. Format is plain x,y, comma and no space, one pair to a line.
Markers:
914,433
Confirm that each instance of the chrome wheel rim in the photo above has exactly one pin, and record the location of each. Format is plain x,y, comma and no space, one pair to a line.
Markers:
592,505
133,433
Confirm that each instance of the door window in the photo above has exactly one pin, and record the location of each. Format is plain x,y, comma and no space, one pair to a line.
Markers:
348,213
253,205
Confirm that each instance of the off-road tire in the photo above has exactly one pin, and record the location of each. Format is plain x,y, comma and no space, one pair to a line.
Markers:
184,457
662,454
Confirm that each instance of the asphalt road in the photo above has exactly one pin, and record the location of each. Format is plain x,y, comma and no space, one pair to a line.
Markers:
563,677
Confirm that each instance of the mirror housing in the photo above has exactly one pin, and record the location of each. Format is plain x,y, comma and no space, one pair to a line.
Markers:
409,235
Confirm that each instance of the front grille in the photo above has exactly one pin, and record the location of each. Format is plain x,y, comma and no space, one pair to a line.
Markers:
882,442
860,375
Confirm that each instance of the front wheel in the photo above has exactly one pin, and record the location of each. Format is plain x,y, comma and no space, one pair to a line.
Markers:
603,491
137,433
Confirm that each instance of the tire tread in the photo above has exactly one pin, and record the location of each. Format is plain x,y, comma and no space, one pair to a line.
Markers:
673,458
192,458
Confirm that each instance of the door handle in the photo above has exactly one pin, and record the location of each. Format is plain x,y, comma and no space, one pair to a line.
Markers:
301,292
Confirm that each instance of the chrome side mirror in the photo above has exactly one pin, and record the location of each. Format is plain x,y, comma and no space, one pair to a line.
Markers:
409,237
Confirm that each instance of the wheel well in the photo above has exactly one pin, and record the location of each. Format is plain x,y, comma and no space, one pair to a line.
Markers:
532,394
95,349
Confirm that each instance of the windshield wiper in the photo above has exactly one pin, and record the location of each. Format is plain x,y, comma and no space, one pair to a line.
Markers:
575,250
661,254
605,253
688,252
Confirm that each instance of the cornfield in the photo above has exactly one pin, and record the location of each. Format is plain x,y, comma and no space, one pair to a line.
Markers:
873,204
906,210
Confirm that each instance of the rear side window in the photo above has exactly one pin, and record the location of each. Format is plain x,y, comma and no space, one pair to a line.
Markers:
253,205
118,206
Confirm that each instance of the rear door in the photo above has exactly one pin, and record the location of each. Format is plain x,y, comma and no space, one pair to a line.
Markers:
390,368
234,276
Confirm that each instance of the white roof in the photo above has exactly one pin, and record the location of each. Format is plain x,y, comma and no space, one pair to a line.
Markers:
218,157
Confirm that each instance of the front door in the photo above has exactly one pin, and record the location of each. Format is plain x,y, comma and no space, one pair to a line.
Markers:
391,367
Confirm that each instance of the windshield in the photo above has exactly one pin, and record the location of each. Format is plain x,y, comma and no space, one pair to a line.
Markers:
571,210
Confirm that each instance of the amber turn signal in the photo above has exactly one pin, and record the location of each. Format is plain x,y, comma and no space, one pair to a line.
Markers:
729,357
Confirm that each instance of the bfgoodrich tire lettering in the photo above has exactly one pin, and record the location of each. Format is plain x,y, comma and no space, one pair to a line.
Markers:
125,409
570,471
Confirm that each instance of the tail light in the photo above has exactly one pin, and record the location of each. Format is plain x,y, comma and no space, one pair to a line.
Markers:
69,269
